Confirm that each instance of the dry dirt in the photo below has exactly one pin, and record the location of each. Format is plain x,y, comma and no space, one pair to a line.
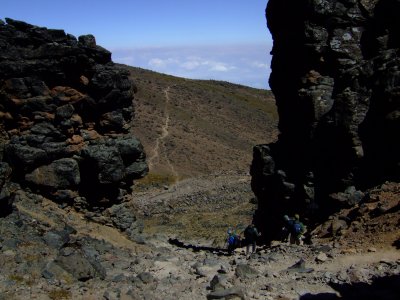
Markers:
190,128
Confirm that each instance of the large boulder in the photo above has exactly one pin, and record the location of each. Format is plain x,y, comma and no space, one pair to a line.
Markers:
66,111
75,263
335,76
60,174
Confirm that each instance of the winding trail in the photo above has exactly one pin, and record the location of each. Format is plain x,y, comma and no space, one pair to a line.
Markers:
155,157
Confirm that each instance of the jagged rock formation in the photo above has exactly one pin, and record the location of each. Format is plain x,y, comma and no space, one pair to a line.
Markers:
64,118
335,76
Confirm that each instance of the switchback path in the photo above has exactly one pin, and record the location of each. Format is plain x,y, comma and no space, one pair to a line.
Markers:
156,156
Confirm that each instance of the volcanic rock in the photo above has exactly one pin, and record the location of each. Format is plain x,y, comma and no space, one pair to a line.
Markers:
65,115
335,74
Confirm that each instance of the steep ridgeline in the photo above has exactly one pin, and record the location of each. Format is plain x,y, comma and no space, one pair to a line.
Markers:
64,119
336,79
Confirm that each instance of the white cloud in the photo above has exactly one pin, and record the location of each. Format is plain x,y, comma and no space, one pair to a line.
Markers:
127,60
161,63
198,63
261,65
191,64
156,62
243,64
221,67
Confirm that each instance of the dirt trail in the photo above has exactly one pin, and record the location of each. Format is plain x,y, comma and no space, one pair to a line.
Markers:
346,261
155,157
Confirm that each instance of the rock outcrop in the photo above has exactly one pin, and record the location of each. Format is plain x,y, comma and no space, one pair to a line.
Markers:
335,76
65,115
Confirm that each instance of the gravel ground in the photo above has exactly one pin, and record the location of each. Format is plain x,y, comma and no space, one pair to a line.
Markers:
48,252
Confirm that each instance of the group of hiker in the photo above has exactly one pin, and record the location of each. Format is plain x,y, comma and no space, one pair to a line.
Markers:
293,231
246,237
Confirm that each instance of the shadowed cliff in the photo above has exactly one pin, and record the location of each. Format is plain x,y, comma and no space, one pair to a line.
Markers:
336,82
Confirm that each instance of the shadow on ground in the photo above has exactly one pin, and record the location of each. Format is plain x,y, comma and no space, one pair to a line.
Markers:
196,248
383,288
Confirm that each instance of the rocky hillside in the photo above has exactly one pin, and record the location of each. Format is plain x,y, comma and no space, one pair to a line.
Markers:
50,252
196,127
71,227
335,77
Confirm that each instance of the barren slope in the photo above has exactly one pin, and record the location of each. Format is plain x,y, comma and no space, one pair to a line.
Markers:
194,127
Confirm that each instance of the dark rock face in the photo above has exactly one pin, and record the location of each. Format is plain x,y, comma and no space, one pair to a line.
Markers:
65,113
335,76
6,189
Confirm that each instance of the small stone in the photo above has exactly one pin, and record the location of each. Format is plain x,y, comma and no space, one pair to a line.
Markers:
328,275
245,271
218,283
146,277
9,253
349,251
322,257
222,270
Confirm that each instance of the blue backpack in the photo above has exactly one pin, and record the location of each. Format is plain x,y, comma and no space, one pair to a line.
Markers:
297,228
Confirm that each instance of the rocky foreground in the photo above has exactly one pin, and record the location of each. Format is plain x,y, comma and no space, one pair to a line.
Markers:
50,252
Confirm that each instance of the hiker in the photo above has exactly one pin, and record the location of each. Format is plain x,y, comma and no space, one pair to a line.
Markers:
286,229
297,231
293,230
232,240
250,235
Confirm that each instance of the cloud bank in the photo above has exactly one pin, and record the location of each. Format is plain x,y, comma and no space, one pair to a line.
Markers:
247,64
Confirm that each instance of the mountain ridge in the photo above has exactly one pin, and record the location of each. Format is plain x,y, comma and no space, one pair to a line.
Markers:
213,125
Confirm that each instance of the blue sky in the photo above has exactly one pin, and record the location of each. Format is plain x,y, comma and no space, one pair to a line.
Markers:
208,39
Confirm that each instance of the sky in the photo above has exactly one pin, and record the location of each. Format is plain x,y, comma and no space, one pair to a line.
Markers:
208,39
